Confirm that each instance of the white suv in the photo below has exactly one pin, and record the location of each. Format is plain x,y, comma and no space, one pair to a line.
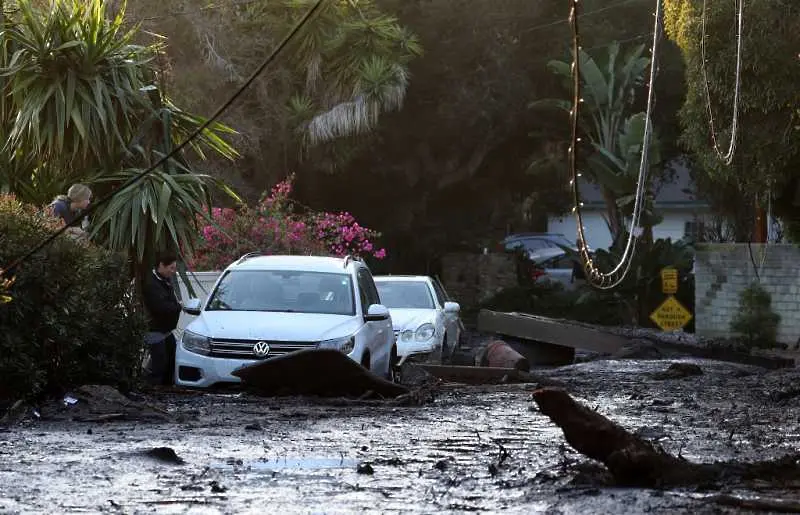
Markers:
267,306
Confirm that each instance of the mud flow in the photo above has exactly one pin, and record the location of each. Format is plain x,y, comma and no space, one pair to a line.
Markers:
464,449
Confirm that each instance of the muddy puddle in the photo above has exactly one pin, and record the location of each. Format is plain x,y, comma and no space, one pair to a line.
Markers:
482,449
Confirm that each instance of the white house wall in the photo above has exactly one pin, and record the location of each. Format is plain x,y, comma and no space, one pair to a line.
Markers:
598,236
594,226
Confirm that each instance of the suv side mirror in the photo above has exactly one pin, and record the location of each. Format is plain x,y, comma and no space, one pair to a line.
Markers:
377,313
192,307
452,307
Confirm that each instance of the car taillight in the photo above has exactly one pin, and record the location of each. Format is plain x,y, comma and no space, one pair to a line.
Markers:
537,273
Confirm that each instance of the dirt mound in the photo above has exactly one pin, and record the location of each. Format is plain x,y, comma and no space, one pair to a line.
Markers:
318,372
100,403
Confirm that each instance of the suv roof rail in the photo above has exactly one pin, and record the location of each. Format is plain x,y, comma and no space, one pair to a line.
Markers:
250,255
348,258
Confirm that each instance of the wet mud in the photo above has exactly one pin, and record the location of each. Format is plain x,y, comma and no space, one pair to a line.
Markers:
479,449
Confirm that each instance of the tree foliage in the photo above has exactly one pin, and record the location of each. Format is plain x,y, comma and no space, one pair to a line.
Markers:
71,320
610,82
767,152
452,167
84,105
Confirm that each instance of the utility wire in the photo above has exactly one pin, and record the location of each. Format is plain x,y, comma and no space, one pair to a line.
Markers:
221,109
582,15
199,10
236,3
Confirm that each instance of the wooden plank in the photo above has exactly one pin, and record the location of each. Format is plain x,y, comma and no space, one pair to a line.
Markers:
549,330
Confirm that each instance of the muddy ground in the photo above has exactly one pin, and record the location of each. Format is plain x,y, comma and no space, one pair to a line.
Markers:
472,449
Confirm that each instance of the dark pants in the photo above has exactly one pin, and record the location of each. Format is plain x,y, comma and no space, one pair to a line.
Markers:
162,361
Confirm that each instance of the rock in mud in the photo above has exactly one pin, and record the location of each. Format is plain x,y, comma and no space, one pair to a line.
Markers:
365,468
217,488
639,349
164,454
414,376
679,371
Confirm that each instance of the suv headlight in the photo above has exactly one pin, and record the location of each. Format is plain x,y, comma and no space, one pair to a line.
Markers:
425,332
344,345
196,343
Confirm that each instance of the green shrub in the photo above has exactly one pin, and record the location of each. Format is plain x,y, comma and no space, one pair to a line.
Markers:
755,321
70,320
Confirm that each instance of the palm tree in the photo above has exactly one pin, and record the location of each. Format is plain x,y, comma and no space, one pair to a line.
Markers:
358,59
609,84
84,104
349,65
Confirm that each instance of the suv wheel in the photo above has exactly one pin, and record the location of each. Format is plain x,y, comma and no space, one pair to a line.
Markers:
394,369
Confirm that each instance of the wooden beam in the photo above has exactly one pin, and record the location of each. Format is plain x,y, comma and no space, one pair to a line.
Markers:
549,330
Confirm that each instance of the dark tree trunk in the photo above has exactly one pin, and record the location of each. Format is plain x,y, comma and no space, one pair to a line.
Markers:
634,461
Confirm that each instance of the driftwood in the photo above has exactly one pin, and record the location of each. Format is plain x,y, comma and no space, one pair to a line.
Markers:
634,461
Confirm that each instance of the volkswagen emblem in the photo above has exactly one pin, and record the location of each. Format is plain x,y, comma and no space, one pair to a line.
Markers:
261,349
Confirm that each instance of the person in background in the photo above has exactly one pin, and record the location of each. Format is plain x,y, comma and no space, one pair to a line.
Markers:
163,310
69,207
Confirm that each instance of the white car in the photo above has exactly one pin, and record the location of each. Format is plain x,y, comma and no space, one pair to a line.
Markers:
267,306
425,323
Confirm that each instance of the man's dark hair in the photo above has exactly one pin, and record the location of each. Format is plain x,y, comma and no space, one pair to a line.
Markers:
166,258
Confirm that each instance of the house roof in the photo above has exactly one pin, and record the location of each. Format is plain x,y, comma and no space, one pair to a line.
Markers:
676,190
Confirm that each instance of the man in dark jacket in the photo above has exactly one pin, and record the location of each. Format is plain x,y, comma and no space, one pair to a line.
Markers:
163,310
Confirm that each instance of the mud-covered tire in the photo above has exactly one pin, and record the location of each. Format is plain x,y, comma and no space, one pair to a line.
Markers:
446,354
394,374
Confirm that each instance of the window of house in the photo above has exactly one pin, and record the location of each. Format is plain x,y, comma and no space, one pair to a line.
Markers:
693,230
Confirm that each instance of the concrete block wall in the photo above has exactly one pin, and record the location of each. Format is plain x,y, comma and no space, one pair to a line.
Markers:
472,278
722,271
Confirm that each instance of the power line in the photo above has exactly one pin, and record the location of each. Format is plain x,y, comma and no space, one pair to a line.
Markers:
727,156
197,132
583,15
235,3
199,10
595,277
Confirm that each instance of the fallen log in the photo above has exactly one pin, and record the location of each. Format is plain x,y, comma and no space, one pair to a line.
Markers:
761,504
634,461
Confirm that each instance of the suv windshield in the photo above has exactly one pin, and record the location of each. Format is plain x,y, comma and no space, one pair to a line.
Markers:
405,294
287,291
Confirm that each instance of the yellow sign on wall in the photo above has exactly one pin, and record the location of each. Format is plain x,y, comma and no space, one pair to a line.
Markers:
671,315
669,280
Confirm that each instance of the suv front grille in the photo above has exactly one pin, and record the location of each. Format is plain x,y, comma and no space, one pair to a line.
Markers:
243,349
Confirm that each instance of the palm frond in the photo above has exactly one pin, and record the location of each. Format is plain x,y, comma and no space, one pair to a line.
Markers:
75,81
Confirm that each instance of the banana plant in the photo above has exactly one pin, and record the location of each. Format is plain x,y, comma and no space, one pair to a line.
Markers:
609,83
618,169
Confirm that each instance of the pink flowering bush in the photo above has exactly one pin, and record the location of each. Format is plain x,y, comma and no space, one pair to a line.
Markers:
273,227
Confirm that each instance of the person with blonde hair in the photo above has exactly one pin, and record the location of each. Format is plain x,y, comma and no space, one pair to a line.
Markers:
69,207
